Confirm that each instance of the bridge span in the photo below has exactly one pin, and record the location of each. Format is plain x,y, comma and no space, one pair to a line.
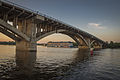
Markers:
26,27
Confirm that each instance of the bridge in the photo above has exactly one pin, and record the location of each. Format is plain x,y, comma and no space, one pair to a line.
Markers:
26,27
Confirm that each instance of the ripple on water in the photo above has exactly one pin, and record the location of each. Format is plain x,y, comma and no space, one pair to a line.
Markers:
60,64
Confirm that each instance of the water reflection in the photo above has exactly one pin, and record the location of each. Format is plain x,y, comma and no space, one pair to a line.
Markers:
59,64
25,62
79,56
54,63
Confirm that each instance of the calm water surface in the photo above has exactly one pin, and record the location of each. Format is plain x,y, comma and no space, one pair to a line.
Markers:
59,64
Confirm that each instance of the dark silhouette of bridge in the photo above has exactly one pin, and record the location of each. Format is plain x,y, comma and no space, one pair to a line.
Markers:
26,27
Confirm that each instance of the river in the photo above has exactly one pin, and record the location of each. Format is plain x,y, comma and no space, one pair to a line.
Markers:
59,64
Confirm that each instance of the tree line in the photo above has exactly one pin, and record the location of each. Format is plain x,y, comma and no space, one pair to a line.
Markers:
112,44
7,43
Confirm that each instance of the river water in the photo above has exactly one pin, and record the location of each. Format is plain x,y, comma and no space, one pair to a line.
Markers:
59,64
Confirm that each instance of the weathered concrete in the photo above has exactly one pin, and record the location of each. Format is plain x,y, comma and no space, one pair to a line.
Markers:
83,47
13,29
26,46
30,31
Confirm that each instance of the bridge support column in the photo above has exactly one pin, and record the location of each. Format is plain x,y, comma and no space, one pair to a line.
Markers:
29,29
83,45
83,48
26,46
98,46
101,46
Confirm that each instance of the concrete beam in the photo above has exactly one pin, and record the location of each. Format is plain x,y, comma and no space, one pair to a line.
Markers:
14,30
12,36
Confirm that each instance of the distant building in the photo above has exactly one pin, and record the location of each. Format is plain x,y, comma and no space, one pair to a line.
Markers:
60,44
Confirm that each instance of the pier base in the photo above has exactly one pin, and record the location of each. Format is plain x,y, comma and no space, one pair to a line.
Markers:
26,46
83,48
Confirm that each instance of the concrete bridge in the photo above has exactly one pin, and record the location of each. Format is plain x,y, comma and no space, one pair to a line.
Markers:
26,27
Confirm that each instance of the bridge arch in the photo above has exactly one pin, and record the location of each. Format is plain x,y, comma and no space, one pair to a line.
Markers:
71,34
95,44
9,34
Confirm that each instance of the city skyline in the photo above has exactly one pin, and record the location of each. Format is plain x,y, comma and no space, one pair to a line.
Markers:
99,18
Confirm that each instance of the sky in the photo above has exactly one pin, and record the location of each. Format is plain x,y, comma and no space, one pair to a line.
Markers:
100,18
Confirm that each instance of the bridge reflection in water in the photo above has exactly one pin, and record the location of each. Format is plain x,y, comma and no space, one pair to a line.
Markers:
28,68
59,64
25,62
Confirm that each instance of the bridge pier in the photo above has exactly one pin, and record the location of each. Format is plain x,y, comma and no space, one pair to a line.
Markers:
83,48
28,27
90,43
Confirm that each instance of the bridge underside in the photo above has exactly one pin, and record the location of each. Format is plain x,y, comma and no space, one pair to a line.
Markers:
27,27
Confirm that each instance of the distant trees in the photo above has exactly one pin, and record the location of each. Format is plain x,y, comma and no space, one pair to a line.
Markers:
7,43
75,44
113,45
107,45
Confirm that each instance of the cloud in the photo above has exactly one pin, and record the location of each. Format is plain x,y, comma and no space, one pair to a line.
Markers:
96,25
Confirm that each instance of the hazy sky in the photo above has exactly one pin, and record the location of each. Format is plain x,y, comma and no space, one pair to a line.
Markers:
98,17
